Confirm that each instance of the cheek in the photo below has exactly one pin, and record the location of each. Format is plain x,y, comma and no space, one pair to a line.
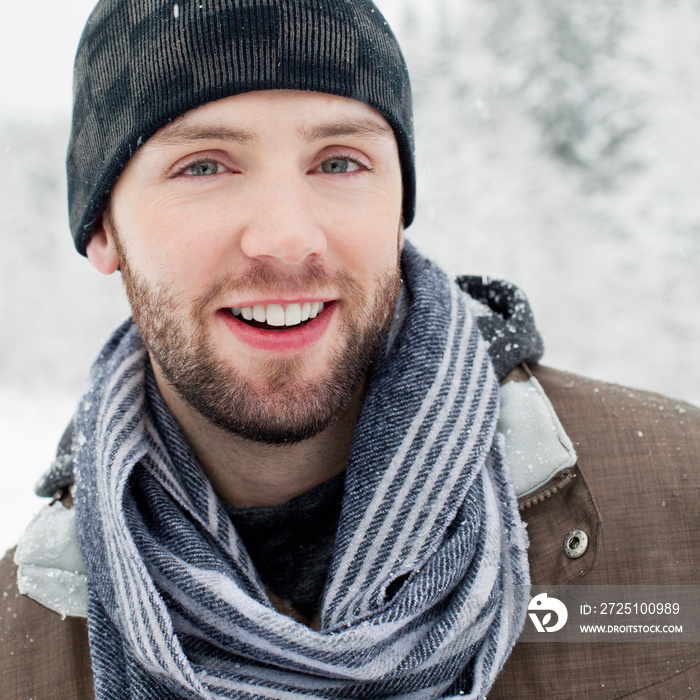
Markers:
368,241
175,245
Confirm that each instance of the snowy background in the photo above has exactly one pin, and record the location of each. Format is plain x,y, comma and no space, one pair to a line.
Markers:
558,147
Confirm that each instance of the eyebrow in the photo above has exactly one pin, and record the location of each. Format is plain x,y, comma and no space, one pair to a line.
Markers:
177,133
371,128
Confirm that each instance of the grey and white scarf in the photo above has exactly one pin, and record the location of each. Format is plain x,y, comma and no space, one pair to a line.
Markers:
425,593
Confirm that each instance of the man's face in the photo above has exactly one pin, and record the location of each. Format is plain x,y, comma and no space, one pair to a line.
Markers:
281,205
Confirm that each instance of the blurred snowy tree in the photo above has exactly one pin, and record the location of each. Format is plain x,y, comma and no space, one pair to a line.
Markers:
556,147
54,306
557,60
576,88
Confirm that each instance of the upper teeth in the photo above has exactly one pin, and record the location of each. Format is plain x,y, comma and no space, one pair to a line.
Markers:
278,315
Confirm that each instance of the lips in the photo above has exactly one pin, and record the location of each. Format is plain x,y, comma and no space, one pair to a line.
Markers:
278,315
287,327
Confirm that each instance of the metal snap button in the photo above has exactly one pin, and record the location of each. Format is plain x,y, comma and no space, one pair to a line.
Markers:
575,544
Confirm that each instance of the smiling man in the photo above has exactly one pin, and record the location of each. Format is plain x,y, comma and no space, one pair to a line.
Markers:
259,240
293,473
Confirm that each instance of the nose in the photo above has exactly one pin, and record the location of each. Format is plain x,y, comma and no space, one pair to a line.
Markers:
283,226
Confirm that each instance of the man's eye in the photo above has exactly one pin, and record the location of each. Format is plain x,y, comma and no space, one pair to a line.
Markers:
207,167
336,166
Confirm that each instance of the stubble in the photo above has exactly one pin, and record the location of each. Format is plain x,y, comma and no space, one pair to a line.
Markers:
275,407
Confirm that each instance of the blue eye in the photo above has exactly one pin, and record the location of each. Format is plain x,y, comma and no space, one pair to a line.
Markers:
206,167
339,165
335,165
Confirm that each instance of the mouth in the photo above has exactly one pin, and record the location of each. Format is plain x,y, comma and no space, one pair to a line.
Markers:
281,327
278,317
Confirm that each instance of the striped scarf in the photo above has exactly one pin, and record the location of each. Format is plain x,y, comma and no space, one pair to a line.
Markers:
425,593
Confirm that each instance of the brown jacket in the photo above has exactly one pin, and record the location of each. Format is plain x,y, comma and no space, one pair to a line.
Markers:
635,491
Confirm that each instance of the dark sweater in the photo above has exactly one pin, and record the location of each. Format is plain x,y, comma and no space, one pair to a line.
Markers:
291,544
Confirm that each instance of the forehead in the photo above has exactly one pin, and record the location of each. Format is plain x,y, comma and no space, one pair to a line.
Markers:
246,118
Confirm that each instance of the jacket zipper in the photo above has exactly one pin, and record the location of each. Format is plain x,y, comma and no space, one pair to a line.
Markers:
548,490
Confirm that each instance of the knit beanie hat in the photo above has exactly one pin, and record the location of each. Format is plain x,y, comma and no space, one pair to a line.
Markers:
141,63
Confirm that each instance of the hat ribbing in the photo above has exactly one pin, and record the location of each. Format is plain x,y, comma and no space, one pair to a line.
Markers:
141,63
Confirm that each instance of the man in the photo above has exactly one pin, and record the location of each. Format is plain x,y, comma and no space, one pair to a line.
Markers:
286,477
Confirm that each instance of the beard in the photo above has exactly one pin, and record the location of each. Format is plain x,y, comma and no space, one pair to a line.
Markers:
275,407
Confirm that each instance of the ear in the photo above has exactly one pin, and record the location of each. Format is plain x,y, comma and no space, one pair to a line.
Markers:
401,238
101,251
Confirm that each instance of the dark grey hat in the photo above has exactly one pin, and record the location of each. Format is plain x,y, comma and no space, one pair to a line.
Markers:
141,63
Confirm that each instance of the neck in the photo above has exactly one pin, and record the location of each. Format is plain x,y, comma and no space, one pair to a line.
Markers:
247,473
